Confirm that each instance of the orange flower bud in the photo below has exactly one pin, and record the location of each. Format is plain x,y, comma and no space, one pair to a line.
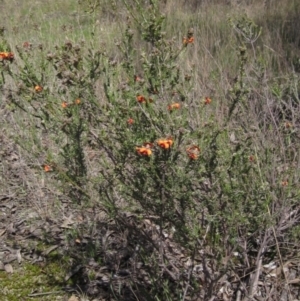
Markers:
191,40
288,125
141,99
137,78
251,158
207,101
193,152
188,40
64,104
26,44
47,168
38,88
174,106
193,156
130,121
77,101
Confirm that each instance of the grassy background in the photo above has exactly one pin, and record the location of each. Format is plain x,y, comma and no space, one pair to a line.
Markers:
271,75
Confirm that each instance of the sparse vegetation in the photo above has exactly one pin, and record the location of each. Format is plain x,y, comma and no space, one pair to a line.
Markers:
149,149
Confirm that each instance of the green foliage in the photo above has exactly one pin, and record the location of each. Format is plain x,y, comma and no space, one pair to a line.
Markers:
212,172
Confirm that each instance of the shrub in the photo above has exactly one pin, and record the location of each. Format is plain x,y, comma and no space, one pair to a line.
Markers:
204,186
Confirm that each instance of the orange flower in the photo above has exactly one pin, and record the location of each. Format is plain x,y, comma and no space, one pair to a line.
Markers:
193,152
189,40
165,143
207,101
144,151
64,104
174,106
137,78
47,168
130,121
284,183
288,125
38,88
141,99
7,56
77,101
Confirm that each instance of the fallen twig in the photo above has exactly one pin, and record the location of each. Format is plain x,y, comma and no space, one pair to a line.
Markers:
45,293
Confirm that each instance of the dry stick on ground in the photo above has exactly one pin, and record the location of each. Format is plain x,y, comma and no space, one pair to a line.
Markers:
255,275
262,250
45,294
280,259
